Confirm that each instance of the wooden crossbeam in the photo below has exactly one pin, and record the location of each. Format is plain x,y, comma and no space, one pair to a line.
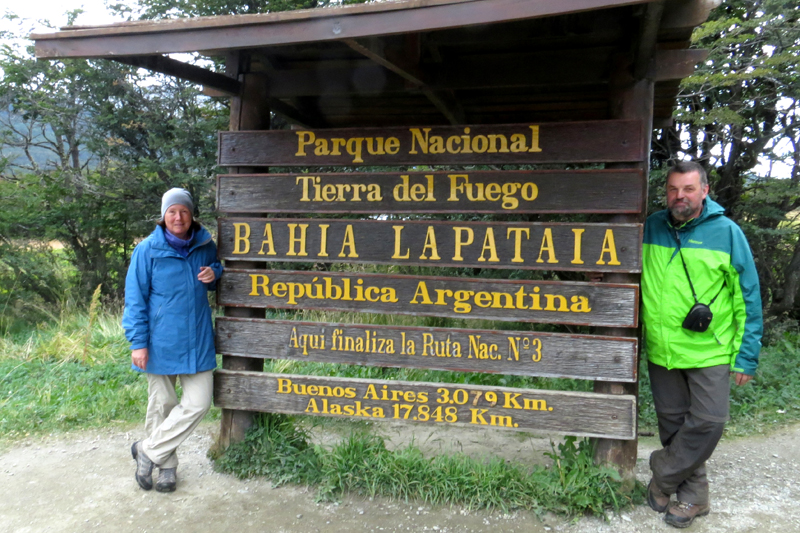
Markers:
444,101
172,67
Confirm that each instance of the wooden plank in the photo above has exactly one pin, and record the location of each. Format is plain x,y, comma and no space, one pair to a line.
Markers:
320,25
521,353
567,413
572,142
554,302
517,245
677,64
551,191
172,67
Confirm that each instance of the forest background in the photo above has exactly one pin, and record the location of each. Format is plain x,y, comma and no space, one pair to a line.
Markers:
87,148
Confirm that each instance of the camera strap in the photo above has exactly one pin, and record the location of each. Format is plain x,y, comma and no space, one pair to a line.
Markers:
680,252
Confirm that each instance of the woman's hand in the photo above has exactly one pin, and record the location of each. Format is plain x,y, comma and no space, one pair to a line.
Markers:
206,275
139,357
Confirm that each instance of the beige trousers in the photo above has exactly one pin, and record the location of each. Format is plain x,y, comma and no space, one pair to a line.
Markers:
168,422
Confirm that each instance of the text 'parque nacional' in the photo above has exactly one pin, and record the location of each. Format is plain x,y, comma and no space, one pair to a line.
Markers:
594,141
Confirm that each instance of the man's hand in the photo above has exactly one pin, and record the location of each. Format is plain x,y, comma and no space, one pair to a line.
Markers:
740,378
206,275
139,357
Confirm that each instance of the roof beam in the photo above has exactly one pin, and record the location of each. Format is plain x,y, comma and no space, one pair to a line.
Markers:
320,25
444,101
219,83
677,64
525,71
648,38
679,14
294,115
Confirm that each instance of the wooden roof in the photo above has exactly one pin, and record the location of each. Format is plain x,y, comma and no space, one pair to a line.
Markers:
421,61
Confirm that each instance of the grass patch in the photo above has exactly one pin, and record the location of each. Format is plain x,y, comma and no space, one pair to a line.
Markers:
46,396
361,464
72,372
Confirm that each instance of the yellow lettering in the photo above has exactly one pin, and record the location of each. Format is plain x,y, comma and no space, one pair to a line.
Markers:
323,240
349,241
518,242
294,239
267,241
489,245
576,259
397,231
416,136
534,139
547,245
461,241
241,235
304,138
430,244
422,293
255,284
609,248
518,143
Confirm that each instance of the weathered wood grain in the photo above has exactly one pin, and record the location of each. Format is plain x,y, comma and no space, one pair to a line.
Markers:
588,304
522,353
564,142
517,245
568,413
514,191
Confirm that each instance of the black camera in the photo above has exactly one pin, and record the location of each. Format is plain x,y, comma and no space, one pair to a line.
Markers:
698,318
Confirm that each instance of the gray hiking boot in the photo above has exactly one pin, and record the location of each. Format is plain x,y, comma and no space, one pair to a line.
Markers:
144,466
167,479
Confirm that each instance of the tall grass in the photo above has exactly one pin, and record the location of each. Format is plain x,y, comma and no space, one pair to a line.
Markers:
361,464
70,372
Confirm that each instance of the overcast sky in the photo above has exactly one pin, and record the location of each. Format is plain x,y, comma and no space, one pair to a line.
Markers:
32,11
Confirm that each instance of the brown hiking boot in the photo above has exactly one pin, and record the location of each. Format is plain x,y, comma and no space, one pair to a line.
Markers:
682,514
144,466
167,479
657,500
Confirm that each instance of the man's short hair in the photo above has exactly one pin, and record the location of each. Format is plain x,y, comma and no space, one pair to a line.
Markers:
684,167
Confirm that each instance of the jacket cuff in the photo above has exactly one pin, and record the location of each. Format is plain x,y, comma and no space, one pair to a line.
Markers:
138,345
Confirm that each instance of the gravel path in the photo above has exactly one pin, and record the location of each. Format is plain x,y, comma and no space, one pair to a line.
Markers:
84,482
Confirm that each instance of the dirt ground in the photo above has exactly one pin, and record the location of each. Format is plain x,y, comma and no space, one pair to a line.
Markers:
84,482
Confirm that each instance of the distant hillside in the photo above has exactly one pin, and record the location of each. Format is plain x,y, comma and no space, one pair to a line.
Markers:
15,155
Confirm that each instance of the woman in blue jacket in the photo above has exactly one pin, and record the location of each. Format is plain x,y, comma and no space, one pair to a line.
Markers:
167,320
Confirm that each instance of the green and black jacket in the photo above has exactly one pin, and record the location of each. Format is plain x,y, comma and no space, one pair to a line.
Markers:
719,261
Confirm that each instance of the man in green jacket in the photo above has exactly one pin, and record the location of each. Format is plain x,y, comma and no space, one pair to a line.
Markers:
692,254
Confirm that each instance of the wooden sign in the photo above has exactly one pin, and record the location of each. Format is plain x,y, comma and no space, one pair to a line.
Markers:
527,245
587,304
522,353
513,191
571,413
496,144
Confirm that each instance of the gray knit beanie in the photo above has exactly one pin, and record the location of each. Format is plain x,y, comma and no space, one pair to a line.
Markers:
176,196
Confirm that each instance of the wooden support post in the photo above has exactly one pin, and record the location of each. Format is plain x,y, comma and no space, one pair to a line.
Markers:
249,111
630,99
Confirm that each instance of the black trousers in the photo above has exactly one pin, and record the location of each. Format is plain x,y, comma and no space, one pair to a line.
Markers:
692,408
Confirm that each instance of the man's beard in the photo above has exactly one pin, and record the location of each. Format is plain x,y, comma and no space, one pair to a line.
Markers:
681,211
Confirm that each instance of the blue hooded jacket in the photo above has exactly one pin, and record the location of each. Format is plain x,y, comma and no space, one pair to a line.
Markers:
166,306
